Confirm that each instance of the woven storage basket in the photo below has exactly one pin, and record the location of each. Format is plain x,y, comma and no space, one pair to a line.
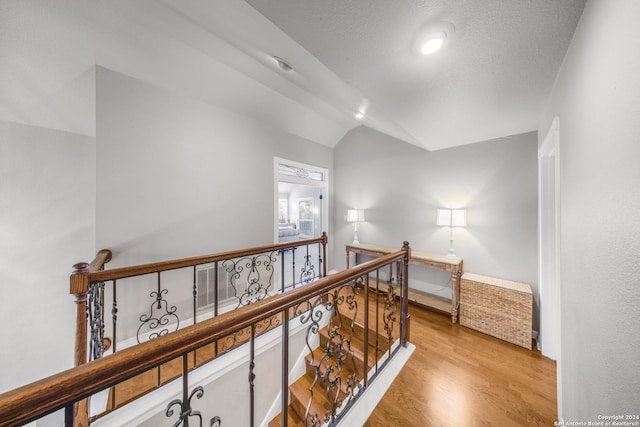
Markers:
497,307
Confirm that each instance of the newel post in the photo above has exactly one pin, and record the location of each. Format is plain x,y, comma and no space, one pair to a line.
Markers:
79,287
404,310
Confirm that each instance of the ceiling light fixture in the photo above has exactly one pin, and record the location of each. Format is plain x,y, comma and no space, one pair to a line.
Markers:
432,36
283,64
359,116
433,43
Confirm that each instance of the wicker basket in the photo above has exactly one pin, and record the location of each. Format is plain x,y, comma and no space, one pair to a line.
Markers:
497,307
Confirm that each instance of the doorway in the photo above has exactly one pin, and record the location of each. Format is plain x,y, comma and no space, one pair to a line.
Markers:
549,250
301,201
549,207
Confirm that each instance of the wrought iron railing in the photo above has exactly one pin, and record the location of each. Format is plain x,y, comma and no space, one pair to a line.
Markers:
172,293
345,307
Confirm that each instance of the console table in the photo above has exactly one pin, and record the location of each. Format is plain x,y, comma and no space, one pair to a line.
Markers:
454,266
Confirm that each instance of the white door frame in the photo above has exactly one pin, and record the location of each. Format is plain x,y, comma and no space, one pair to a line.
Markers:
549,250
323,185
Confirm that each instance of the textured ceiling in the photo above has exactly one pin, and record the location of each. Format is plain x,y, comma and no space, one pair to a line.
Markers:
490,80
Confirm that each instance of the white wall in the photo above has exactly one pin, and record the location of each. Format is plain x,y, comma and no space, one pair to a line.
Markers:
47,191
47,224
401,186
597,97
177,177
171,168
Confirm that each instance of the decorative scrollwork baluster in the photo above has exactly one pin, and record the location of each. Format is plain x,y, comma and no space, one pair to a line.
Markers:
293,266
185,408
313,318
320,260
184,405
337,352
114,315
251,277
389,316
252,376
95,314
307,271
243,335
156,320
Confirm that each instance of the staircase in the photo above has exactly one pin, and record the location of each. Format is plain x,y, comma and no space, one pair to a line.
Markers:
336,368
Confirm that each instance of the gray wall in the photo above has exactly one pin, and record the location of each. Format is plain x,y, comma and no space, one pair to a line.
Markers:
47,224
401,186
174,169
597,97
176,178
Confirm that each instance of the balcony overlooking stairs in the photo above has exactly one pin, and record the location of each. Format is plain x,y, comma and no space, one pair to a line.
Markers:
336,369
348,326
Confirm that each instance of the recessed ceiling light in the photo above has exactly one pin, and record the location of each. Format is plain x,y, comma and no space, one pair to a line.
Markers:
432,36
359,116
283,64
433,42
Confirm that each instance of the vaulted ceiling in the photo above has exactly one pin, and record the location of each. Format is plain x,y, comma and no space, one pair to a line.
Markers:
490,79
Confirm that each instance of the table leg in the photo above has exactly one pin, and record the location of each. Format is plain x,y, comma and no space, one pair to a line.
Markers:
455,295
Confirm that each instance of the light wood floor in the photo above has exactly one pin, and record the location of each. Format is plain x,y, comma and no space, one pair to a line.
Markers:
461,377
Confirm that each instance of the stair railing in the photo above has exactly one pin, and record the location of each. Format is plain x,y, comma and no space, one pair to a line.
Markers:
65,390
171,295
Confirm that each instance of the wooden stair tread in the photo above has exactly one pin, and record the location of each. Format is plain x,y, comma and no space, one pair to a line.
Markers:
346,372
300,398
354,331
356,346
292,419
358,334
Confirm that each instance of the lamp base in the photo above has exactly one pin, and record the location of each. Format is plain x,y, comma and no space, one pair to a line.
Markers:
452,252
355,234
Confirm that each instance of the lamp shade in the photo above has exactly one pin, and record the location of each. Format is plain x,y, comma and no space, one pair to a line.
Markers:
458,218
444,217
355,215
452,217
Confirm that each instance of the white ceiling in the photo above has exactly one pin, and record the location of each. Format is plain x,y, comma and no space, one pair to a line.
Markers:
490,80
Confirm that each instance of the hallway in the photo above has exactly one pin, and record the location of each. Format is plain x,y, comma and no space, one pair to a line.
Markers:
461,377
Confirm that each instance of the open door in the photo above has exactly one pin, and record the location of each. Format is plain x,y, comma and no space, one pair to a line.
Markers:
301,201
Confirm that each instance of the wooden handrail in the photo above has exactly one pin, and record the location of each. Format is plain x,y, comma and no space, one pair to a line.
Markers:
138,270
86,273
42,397
102,257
